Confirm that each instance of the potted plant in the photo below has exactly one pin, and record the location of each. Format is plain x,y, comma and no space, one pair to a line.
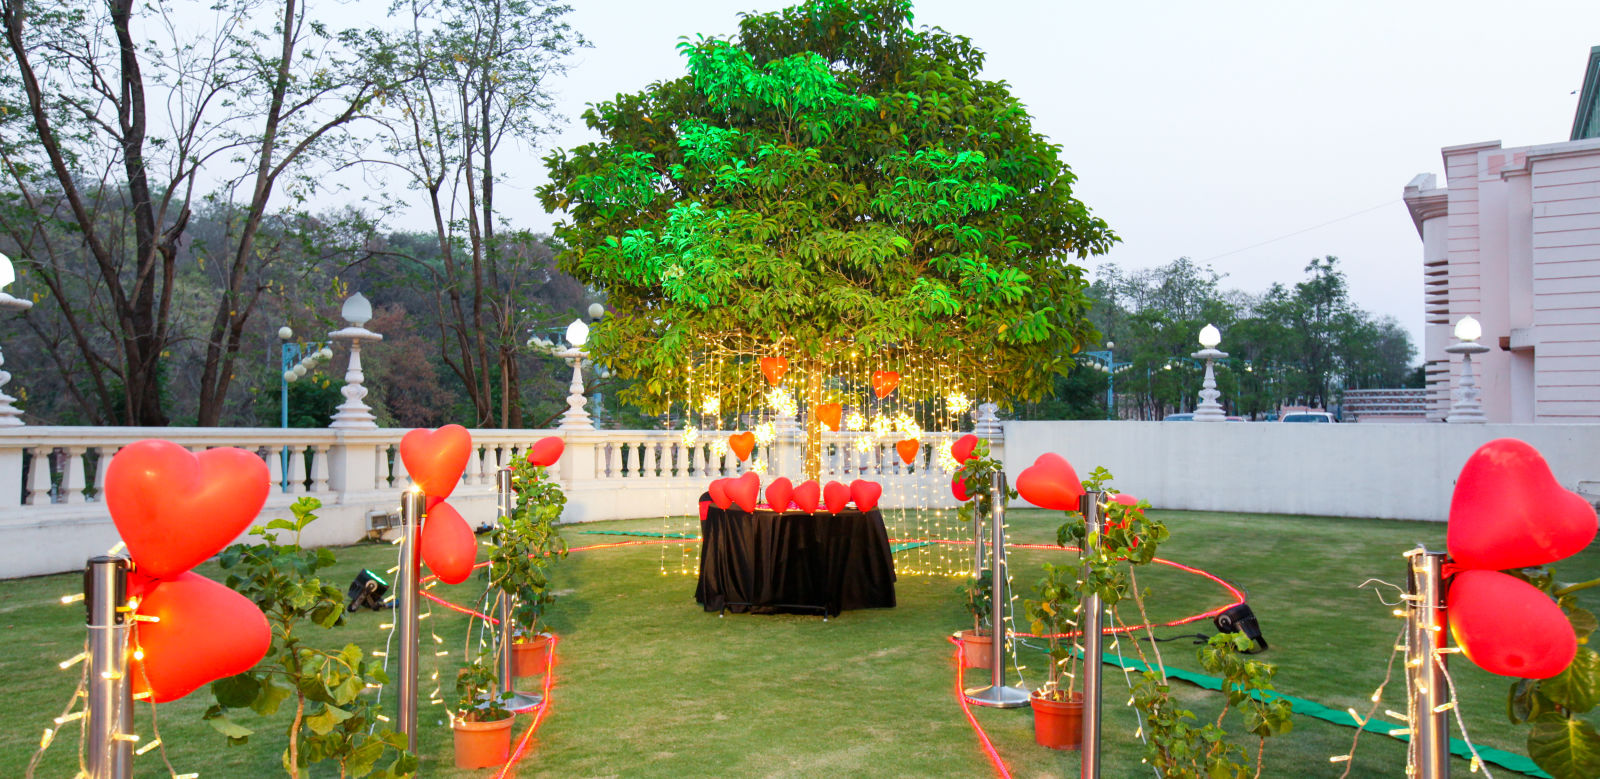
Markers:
521,551
481,721
976,651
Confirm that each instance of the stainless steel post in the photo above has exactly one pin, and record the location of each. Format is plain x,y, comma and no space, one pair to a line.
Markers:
412,508
520,701
977,536
1429,750
110,704
1090,624
997,694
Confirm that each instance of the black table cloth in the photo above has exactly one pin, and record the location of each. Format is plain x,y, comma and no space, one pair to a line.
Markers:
768,562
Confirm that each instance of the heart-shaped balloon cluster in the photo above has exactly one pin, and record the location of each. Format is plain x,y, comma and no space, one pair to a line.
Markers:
908,449
829,414
807,495
436,459
1050,483
865,494
774,368
742,444
1508,511
741,492
174,509
958,488
836,496
779,492
884,382
546,451
963,447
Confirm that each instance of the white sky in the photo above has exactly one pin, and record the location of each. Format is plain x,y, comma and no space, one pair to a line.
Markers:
1201,129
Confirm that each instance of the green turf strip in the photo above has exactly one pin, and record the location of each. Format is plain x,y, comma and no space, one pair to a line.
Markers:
1502,758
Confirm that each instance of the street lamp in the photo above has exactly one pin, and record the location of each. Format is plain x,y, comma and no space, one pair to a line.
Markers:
575,418
1209,409
296,359
353,413
1107,361
10,416
1467,408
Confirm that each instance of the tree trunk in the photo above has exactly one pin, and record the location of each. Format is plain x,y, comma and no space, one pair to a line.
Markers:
811,465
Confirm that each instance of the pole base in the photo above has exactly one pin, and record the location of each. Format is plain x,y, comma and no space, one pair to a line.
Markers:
998,697
523,701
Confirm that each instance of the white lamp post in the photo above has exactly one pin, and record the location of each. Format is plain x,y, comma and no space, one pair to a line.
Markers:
10,416
575,417
353,413
1467,408
1209,409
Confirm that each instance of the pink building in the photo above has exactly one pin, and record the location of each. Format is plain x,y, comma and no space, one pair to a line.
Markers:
1513,239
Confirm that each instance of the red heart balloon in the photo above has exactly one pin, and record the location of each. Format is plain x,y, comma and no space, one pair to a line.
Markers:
865,494
836,496
745,490
719,493
909,449
1050,483
884,382
546,451
806,495
778,494
705,509
1508,511
962,448
447,544
959,489
742,444
206,632
829,414
1508,626
175,508
436,458
774,368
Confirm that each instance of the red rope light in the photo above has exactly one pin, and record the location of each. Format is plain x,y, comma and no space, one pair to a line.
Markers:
538,715
961,697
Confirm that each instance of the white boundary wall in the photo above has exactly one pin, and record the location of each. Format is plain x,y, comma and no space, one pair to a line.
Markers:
1390,471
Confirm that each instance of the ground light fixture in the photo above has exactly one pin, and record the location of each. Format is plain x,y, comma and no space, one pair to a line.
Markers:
10,416
1209,409
1468,406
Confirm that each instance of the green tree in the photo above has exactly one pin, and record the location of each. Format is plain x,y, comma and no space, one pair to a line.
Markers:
827,179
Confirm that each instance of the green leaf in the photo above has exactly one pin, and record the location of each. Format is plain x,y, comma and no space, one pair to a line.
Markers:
229,728
1565,748
326,720
272,695
236,692
364,757
1578,687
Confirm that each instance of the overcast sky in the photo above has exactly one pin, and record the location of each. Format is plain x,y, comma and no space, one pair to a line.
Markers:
1248,136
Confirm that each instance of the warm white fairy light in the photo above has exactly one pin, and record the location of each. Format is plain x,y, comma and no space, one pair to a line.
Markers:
782,401
765,433
957,402
855,422
711,404
863,443
759,466
691,434
947,461
882,426
719,447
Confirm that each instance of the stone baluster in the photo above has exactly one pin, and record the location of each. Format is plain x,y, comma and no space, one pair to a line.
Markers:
72,475
400,478
39,476
275,467
319,468
297,470
101,463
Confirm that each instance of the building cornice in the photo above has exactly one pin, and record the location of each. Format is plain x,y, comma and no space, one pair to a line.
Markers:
1426,200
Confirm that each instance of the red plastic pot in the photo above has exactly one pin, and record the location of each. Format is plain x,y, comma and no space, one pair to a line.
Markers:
1058,724
976,649
529,658
482,744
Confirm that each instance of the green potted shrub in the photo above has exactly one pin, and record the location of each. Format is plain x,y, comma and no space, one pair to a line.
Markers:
481,721
521,551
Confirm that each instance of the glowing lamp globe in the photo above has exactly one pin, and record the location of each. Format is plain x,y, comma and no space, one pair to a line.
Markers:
596,311
284,333
1210,336
577,333
357,309
8,273
1468,329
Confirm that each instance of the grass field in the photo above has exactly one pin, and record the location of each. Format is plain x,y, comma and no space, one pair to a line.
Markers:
647,684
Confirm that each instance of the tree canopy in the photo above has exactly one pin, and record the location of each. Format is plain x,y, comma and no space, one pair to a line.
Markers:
830,178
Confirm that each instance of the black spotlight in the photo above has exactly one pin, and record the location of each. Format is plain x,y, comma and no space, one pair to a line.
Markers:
1240,619
367,592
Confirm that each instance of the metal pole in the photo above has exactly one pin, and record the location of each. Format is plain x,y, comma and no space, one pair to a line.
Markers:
997,694
412,508
520,701
110,704
977,538
1429,750
1089,504
1111,384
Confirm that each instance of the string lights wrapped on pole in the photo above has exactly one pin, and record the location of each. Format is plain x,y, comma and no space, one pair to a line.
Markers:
997,694
1089,504
108,752
1428,755
412,508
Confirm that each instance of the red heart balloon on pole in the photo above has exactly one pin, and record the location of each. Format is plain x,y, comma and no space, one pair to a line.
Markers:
744,490
1508,511
779,492
175,508
1050,483
1508,626
774,368
206,632
742,444
909,449
836,496
958,488
719,493
829,414
447,544
436,458
865,494
962,448
806,496
546,451
884,382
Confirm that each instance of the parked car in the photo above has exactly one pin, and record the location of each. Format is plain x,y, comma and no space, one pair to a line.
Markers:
1308,416
1178,418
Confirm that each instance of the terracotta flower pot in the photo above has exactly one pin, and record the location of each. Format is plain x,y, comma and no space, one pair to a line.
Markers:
483,744
528,658
976,649
1058,724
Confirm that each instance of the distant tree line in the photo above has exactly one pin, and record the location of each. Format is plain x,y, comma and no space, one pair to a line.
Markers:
1288,345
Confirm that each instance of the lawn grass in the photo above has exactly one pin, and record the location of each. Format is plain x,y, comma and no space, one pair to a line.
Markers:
649,685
